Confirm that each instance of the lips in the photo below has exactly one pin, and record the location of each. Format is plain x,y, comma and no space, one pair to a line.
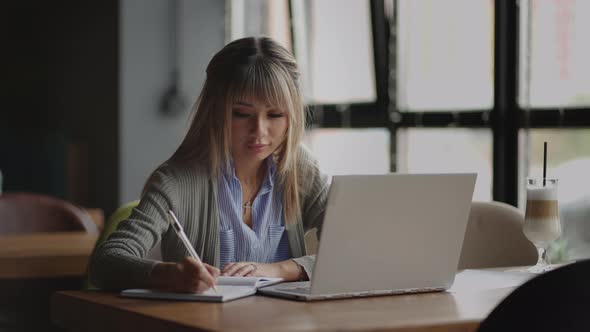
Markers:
257,147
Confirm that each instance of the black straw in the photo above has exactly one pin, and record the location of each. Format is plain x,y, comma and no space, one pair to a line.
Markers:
544,162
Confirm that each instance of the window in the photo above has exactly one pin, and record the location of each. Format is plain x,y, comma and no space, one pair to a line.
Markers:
554,53
445,51
350,151
453,86
334,48
554,88
246,18
444,68
428,150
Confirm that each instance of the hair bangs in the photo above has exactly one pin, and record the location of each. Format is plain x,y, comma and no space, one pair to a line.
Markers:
264,82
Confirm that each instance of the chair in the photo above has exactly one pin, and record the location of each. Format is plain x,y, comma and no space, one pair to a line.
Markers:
97,216
554,301
494,238
122,213
31,212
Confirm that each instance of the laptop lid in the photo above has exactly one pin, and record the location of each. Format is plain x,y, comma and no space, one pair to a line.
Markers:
393,231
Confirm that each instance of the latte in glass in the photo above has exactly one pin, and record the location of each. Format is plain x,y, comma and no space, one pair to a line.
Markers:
542,224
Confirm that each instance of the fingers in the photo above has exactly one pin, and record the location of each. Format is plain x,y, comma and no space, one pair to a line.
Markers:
187,277
206,277
212,270
231,268
226,268
195,272
191,265
240,269
244,270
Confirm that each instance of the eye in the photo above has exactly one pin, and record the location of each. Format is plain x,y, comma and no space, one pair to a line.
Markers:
239,114
276,115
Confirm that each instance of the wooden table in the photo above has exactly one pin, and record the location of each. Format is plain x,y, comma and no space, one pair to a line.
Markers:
45,255
96,311
32,267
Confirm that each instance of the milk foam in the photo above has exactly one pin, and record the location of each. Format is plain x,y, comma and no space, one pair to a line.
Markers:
542,231
541,194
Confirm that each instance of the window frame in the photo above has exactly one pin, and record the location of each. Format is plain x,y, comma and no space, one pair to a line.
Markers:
504,119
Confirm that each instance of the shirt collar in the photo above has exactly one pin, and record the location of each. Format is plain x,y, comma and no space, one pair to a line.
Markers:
267,183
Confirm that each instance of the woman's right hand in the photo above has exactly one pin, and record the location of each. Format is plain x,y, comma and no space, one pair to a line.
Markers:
189,276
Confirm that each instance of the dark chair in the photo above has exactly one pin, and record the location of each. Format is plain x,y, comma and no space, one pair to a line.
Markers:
558,300
29,212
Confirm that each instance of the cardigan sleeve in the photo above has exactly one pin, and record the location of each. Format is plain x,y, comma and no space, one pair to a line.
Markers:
314,195
120,261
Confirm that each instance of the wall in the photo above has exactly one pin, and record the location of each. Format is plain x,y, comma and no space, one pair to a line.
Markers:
146,136
58,125
85,89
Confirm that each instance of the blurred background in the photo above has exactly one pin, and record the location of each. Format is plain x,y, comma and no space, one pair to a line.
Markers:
95,95
98,94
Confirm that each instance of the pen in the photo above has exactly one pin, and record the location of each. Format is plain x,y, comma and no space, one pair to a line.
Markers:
180,232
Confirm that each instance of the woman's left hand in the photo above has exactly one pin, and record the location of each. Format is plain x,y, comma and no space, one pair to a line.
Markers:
251,269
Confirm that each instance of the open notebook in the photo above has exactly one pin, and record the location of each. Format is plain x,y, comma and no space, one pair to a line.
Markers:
228,288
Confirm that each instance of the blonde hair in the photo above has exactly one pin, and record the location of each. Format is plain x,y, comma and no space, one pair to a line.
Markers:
261,69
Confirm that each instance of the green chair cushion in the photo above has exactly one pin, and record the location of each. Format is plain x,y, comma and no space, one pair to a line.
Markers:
122,213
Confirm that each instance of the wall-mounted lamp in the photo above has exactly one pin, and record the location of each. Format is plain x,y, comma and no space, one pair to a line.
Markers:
173,101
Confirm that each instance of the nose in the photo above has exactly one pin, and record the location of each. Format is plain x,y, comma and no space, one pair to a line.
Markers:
259,126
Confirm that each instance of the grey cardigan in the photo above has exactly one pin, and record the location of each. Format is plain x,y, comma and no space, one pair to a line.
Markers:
190,191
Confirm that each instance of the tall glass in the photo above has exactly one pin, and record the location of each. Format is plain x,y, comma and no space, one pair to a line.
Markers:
541,223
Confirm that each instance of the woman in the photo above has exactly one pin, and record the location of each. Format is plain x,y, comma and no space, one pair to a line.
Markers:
241,184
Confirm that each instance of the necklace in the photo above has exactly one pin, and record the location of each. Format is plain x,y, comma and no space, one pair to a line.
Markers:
247,205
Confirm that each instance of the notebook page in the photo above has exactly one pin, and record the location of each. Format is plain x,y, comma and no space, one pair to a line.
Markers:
254,282
223,294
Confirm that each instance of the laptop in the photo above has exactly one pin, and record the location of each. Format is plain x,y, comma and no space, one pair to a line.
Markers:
387,234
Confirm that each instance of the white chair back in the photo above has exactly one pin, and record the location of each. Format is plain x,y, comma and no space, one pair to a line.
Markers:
494,238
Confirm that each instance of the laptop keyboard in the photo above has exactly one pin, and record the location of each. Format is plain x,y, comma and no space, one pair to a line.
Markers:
307,290
300,290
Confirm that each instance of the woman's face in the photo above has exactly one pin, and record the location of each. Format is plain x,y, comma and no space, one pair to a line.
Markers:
257,130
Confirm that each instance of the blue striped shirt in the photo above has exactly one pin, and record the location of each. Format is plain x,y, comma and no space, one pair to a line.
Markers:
266,241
